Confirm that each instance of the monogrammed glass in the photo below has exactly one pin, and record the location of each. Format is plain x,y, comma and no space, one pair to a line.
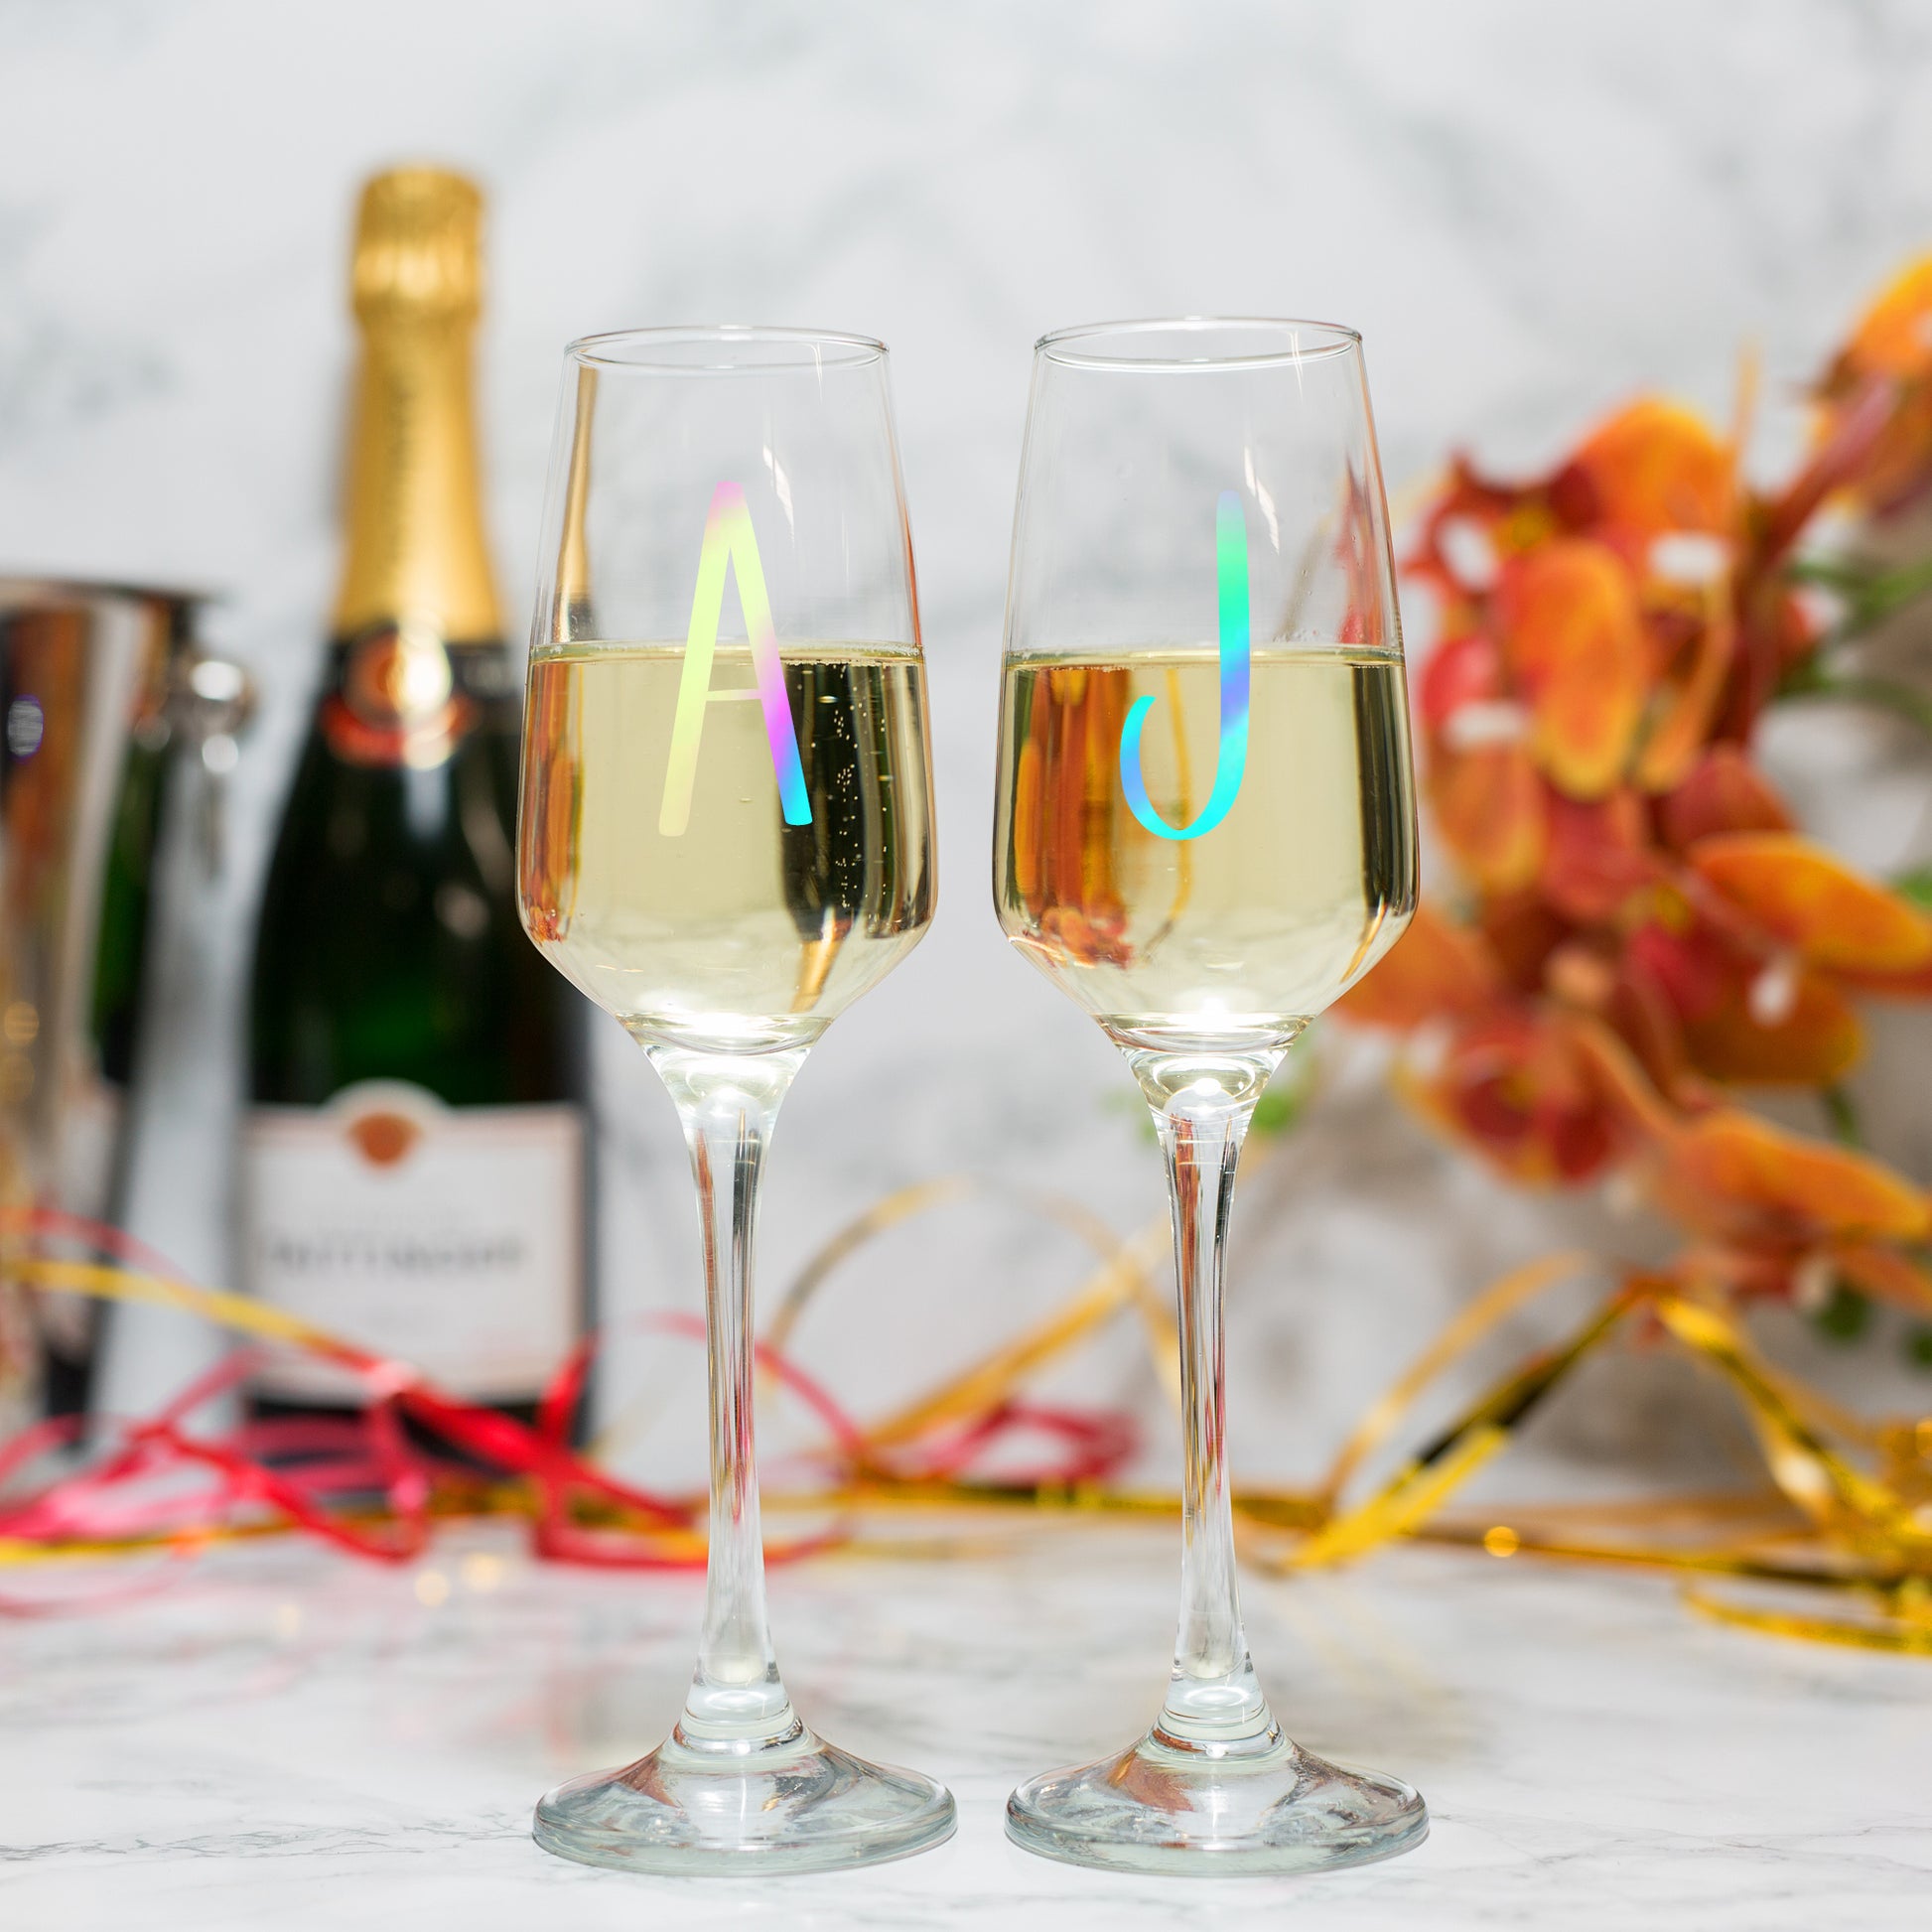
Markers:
1206,835
725,837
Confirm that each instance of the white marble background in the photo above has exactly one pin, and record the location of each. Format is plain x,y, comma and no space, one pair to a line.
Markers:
1529,209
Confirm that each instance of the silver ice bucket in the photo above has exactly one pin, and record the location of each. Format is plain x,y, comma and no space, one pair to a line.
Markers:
102,686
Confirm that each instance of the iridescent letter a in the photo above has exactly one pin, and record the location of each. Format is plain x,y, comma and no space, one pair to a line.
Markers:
731,544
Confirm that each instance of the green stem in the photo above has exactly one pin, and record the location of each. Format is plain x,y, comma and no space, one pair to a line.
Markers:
1870,595
1843,1112
1878,693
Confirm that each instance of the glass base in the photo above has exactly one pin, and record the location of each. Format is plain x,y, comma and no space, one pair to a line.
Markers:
1171,1805
694,1806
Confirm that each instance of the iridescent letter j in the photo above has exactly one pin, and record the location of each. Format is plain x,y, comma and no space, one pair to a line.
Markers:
1231,563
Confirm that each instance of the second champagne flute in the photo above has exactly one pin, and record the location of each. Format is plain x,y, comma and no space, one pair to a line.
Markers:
726,837
1206,835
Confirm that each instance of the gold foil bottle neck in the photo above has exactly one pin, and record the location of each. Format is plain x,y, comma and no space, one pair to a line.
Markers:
418,247
416,552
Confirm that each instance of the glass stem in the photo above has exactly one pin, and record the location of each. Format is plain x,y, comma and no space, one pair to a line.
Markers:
1202,1108
728,1105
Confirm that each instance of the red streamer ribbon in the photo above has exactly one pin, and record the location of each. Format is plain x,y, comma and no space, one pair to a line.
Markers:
317,1473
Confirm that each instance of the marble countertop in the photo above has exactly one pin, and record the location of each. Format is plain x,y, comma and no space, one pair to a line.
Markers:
286,1737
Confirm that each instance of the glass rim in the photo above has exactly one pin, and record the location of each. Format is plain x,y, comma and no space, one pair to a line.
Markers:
1064,345
816,348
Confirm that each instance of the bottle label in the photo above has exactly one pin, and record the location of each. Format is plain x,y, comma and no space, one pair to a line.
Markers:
399,701
448,1238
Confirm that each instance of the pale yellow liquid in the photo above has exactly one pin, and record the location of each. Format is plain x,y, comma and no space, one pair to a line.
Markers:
741,933
1255,926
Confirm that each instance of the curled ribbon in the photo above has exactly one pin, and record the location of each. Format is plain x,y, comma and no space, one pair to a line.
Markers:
1846,1506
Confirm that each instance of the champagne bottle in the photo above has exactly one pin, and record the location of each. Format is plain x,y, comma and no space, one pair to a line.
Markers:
415,1155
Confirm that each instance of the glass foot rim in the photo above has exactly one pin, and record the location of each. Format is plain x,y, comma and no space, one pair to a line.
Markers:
867,1814
1080,1817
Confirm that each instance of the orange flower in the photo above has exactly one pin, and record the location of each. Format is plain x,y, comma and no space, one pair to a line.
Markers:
1733,1175
1490,806
1894,336
1647,925
1722,792
1802,897
1689,695
1525,1093
1806,1037
1889,357
1436,970
1574,641
1599,856
1655,467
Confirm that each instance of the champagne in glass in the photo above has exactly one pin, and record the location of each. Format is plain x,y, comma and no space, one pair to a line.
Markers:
742,917
725,839
1302,887
1206,834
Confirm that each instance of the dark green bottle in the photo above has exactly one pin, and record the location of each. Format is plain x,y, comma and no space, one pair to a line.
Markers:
416,1154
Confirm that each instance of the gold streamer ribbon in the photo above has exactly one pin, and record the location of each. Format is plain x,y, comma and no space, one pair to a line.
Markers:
1847,1506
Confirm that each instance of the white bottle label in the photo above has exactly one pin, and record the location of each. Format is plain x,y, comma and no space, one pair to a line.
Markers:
448,1238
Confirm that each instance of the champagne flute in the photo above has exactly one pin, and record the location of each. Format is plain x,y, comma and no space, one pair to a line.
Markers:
1206,834
726,837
